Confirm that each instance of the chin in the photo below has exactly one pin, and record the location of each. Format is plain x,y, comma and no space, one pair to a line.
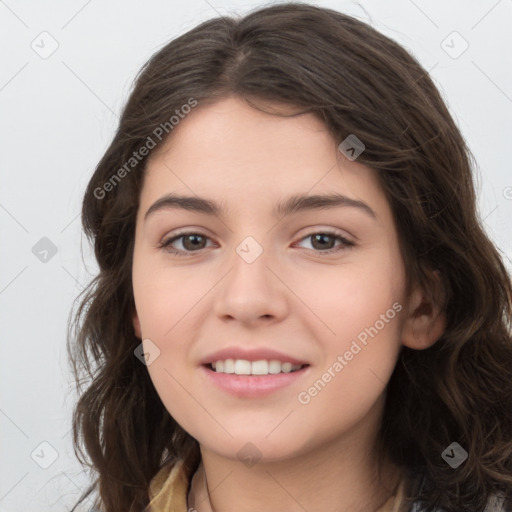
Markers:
254,446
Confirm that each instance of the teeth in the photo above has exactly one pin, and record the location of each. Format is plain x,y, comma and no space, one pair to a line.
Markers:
261,367
242,367
229,366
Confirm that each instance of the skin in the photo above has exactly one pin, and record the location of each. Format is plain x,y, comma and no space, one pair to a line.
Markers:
314,456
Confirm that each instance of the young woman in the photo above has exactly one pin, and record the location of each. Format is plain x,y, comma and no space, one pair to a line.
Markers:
297,307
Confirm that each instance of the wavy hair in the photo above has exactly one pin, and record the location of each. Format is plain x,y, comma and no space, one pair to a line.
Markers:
357,81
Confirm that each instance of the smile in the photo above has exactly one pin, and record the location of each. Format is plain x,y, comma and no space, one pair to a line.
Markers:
261,367
249,383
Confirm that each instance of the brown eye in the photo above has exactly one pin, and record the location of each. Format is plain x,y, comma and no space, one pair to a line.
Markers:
190,242
193,241
323,242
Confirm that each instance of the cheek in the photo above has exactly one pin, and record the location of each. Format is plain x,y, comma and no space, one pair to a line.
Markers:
359,308
166,302
348,298
164,297
359,358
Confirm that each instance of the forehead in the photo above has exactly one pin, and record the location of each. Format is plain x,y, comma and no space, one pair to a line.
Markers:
231,133
235,153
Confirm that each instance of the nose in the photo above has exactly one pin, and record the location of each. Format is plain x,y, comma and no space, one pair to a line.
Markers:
252,293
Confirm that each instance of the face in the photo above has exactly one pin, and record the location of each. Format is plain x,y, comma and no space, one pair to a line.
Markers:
319,287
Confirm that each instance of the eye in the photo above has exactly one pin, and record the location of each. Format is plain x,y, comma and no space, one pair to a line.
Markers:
320,242
191,242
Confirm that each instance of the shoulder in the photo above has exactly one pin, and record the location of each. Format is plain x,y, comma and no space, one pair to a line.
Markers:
494,504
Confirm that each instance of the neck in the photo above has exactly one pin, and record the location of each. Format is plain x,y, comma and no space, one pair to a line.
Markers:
336,478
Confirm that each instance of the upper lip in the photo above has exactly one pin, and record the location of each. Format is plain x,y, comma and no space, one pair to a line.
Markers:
249,355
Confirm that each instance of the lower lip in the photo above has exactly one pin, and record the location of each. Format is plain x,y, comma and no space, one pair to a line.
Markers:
253,386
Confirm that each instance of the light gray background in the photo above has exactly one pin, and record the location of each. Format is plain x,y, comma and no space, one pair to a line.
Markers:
57,117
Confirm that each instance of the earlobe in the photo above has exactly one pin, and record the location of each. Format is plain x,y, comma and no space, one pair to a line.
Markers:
136,324
425,322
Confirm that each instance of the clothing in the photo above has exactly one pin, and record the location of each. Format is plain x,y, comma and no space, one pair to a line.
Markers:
168,489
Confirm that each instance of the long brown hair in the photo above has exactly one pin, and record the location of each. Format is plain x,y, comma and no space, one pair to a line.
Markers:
357,81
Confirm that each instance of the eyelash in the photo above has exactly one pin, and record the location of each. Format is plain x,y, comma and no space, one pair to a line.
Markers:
165,245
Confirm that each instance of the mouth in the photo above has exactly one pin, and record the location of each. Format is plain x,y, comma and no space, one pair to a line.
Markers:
253,379
261,367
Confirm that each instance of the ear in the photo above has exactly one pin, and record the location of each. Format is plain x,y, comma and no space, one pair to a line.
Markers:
425,321
136,324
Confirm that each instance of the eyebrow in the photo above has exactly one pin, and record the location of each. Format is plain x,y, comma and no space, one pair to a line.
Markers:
293,204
